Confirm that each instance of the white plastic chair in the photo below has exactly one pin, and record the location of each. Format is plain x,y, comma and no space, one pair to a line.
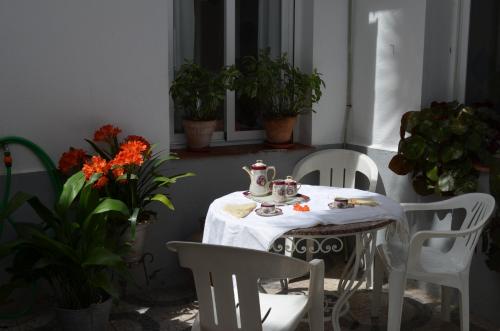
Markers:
448,269
226,281
337,167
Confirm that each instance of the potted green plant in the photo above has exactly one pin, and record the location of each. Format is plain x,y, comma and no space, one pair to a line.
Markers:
280,91
130,171
198,93
441,146
69,248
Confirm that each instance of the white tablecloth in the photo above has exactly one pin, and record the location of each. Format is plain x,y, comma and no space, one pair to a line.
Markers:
259,232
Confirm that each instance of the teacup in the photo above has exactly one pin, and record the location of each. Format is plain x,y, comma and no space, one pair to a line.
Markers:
341,203
268,208
279,190
292,187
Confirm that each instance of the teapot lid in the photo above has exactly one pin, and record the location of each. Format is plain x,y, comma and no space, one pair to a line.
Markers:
259,165
289,179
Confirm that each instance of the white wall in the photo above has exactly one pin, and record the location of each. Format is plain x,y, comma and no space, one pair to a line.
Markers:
69,66
329,56
440,51
388,52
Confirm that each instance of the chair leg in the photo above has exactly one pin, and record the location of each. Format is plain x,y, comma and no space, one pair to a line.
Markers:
378,277
464,307
446,294
196,323
316,317
309,249
397,284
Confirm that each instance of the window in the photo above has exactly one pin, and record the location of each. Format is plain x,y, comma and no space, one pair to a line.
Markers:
215,33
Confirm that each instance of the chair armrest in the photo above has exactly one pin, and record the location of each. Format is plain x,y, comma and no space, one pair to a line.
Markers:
427,206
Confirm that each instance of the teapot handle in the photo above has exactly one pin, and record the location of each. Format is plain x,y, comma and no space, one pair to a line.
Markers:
274,173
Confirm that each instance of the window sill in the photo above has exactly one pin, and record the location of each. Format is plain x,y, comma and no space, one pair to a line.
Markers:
221,151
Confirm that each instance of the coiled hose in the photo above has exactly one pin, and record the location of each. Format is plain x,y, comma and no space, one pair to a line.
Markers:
56,184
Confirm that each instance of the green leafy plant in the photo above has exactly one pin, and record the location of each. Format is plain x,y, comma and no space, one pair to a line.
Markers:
198,92
127,170
278,88
440,146
69,248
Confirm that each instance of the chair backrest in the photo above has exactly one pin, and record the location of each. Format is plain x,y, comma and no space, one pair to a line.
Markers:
478,208
214,268
338,167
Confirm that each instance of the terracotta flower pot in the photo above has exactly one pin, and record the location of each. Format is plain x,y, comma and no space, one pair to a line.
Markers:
279,130
198,133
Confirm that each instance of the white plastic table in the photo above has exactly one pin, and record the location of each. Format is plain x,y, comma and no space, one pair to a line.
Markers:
322,229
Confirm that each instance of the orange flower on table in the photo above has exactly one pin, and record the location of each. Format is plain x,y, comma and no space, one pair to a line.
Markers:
106,133
298,207
74,158
96,165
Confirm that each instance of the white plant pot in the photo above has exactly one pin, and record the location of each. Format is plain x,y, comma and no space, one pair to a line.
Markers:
94,318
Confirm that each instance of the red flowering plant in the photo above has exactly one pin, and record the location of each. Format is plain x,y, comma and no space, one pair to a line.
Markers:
126,170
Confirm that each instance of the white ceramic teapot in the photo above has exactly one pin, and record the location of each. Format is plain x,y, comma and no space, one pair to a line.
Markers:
259,178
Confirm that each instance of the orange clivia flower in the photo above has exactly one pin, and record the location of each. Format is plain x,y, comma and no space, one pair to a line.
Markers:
131,153
74,158
97,165
138,138
106,133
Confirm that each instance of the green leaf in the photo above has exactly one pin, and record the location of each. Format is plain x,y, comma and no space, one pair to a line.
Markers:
413,147
420,185
105,206
98,150
473,142
133,222
89,198
100,256
446,182
8,248
15,203
452,152
400,165
164,200
70,191
102,280
432,174
41,240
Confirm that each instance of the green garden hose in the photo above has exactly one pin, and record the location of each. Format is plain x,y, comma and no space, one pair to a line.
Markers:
54,178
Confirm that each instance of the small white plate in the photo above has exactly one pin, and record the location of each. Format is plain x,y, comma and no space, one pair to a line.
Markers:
260,212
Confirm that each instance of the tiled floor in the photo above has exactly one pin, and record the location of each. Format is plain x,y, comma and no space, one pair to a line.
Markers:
174,310
162,310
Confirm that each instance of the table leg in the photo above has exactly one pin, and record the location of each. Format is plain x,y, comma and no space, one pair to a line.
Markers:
350,280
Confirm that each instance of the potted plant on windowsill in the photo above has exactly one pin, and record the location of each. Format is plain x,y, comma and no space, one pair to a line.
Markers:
128,171
198,93
280,90
441,146
70,250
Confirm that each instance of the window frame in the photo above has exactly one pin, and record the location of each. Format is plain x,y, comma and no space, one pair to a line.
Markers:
230,136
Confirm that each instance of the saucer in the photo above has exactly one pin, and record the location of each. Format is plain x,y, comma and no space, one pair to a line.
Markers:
260,212
331,205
